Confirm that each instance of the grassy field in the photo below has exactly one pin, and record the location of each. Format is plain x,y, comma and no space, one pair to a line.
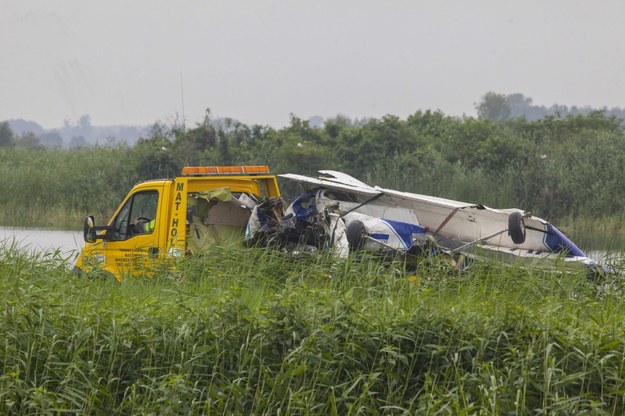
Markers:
258,332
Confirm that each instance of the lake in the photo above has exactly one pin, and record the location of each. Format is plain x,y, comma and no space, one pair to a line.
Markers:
42,240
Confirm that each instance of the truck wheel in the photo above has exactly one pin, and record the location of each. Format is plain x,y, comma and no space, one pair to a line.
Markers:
516,228
356,232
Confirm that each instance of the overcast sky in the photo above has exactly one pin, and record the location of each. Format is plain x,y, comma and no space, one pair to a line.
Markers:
132,62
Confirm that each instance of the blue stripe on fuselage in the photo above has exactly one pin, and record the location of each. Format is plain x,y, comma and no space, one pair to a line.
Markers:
404,230
557,242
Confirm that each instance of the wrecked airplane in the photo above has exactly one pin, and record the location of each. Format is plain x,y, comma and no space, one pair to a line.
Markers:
339,213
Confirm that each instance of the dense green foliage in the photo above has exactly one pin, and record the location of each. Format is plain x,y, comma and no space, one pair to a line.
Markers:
256,332
562,169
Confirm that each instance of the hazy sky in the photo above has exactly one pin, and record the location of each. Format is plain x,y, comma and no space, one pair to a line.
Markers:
122,62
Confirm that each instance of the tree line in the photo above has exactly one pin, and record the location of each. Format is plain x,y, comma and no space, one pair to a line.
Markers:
556,167
81,133
506,106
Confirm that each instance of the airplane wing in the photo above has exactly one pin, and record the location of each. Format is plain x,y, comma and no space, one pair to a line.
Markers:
341,183
330,179
340,177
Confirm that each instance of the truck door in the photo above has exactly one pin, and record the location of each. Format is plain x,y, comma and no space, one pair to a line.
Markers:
134,245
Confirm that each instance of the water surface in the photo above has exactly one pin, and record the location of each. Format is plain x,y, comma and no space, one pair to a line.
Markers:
42,240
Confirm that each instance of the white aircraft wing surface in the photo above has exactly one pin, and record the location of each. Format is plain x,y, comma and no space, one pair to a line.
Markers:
339,181
440,202
354,186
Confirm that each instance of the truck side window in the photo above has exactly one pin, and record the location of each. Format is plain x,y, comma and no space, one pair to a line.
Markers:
141,206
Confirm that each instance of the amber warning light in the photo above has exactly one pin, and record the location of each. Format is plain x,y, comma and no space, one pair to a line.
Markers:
224,170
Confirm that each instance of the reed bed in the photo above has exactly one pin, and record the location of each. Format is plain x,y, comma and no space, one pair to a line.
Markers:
259,332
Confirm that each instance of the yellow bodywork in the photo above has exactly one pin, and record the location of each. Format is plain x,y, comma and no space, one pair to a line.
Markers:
177,231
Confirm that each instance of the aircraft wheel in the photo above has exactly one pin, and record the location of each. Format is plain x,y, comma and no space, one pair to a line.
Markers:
356,232
516,228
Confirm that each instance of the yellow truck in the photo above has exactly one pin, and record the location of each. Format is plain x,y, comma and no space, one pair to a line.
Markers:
165,219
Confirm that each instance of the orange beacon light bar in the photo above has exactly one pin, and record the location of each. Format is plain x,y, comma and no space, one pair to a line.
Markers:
224,170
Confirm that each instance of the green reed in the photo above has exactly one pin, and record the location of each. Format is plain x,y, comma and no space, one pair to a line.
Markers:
251,331
57,188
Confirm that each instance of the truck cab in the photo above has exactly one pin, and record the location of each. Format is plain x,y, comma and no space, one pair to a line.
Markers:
165,219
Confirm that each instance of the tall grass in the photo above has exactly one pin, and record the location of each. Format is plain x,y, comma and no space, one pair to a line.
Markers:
605,234
57,188
259,332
